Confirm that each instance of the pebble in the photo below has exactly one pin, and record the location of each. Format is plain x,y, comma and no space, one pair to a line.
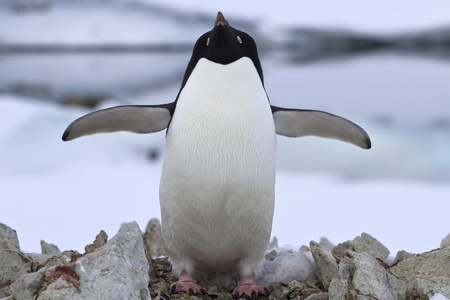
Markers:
351,270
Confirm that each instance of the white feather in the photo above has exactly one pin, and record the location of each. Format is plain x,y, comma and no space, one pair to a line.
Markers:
218,177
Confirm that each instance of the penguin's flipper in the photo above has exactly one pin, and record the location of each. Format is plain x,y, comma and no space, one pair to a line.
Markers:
134,118
297,123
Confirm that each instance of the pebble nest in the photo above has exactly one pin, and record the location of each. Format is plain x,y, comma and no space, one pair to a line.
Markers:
161,279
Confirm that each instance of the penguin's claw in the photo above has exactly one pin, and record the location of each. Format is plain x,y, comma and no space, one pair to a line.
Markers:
187,284
248,286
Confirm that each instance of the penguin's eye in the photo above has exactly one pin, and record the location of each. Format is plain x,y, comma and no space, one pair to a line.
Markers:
239,39
207,41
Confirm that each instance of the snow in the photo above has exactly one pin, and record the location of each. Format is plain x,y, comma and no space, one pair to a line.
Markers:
438,296
65,193
287,266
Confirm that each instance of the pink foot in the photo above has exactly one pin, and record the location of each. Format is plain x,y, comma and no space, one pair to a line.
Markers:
248,286
186,283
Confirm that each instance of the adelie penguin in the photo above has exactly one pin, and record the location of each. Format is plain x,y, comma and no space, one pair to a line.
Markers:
218,176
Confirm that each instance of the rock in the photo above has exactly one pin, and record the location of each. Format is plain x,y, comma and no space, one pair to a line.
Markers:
371,279
425,266
326,243
276,290
153,240
284,293
118,270
318,296
428,287
61,289
27,286
273,243
223,296
287,266
296,285
363,243
13,265
362,297
271,255
327,267
8,238
49,249
366,243
304,248
295,289
338,289
401,256
340,250
64,258
100,240
446,242
305,293
346,268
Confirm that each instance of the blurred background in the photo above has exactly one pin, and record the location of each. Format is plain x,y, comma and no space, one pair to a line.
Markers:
384,65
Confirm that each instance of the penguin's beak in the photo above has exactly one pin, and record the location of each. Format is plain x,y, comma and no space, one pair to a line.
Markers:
220,20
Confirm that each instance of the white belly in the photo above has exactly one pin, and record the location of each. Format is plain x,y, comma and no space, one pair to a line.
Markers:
218,177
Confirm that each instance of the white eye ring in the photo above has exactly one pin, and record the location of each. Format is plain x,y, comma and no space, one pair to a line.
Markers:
239,39
207,41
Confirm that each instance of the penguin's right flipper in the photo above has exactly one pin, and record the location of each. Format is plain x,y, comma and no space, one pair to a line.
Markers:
134,118
301,122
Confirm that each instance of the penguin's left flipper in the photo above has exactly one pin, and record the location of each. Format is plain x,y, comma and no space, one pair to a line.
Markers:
134,118
298,122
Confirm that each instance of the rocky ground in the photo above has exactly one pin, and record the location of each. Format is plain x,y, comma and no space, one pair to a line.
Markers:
131,265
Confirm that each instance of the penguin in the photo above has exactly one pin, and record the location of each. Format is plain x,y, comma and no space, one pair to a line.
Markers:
217,187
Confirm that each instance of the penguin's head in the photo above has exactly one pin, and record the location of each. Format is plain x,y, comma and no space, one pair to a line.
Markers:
224,45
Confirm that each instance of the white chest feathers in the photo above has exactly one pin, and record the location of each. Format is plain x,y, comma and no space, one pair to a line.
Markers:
218,177
222,121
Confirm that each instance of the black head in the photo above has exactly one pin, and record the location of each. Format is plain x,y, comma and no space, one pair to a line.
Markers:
223,45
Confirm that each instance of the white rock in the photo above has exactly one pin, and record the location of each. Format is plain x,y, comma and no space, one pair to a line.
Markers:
429,287
435,263
326,243
100,240
366,243
287,266
118,270
153,240
338,289
370,278
13,264
27,286
327,267
62,290
8,238
446,242
49,249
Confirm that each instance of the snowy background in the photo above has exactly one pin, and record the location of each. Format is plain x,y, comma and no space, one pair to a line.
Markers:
65,193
